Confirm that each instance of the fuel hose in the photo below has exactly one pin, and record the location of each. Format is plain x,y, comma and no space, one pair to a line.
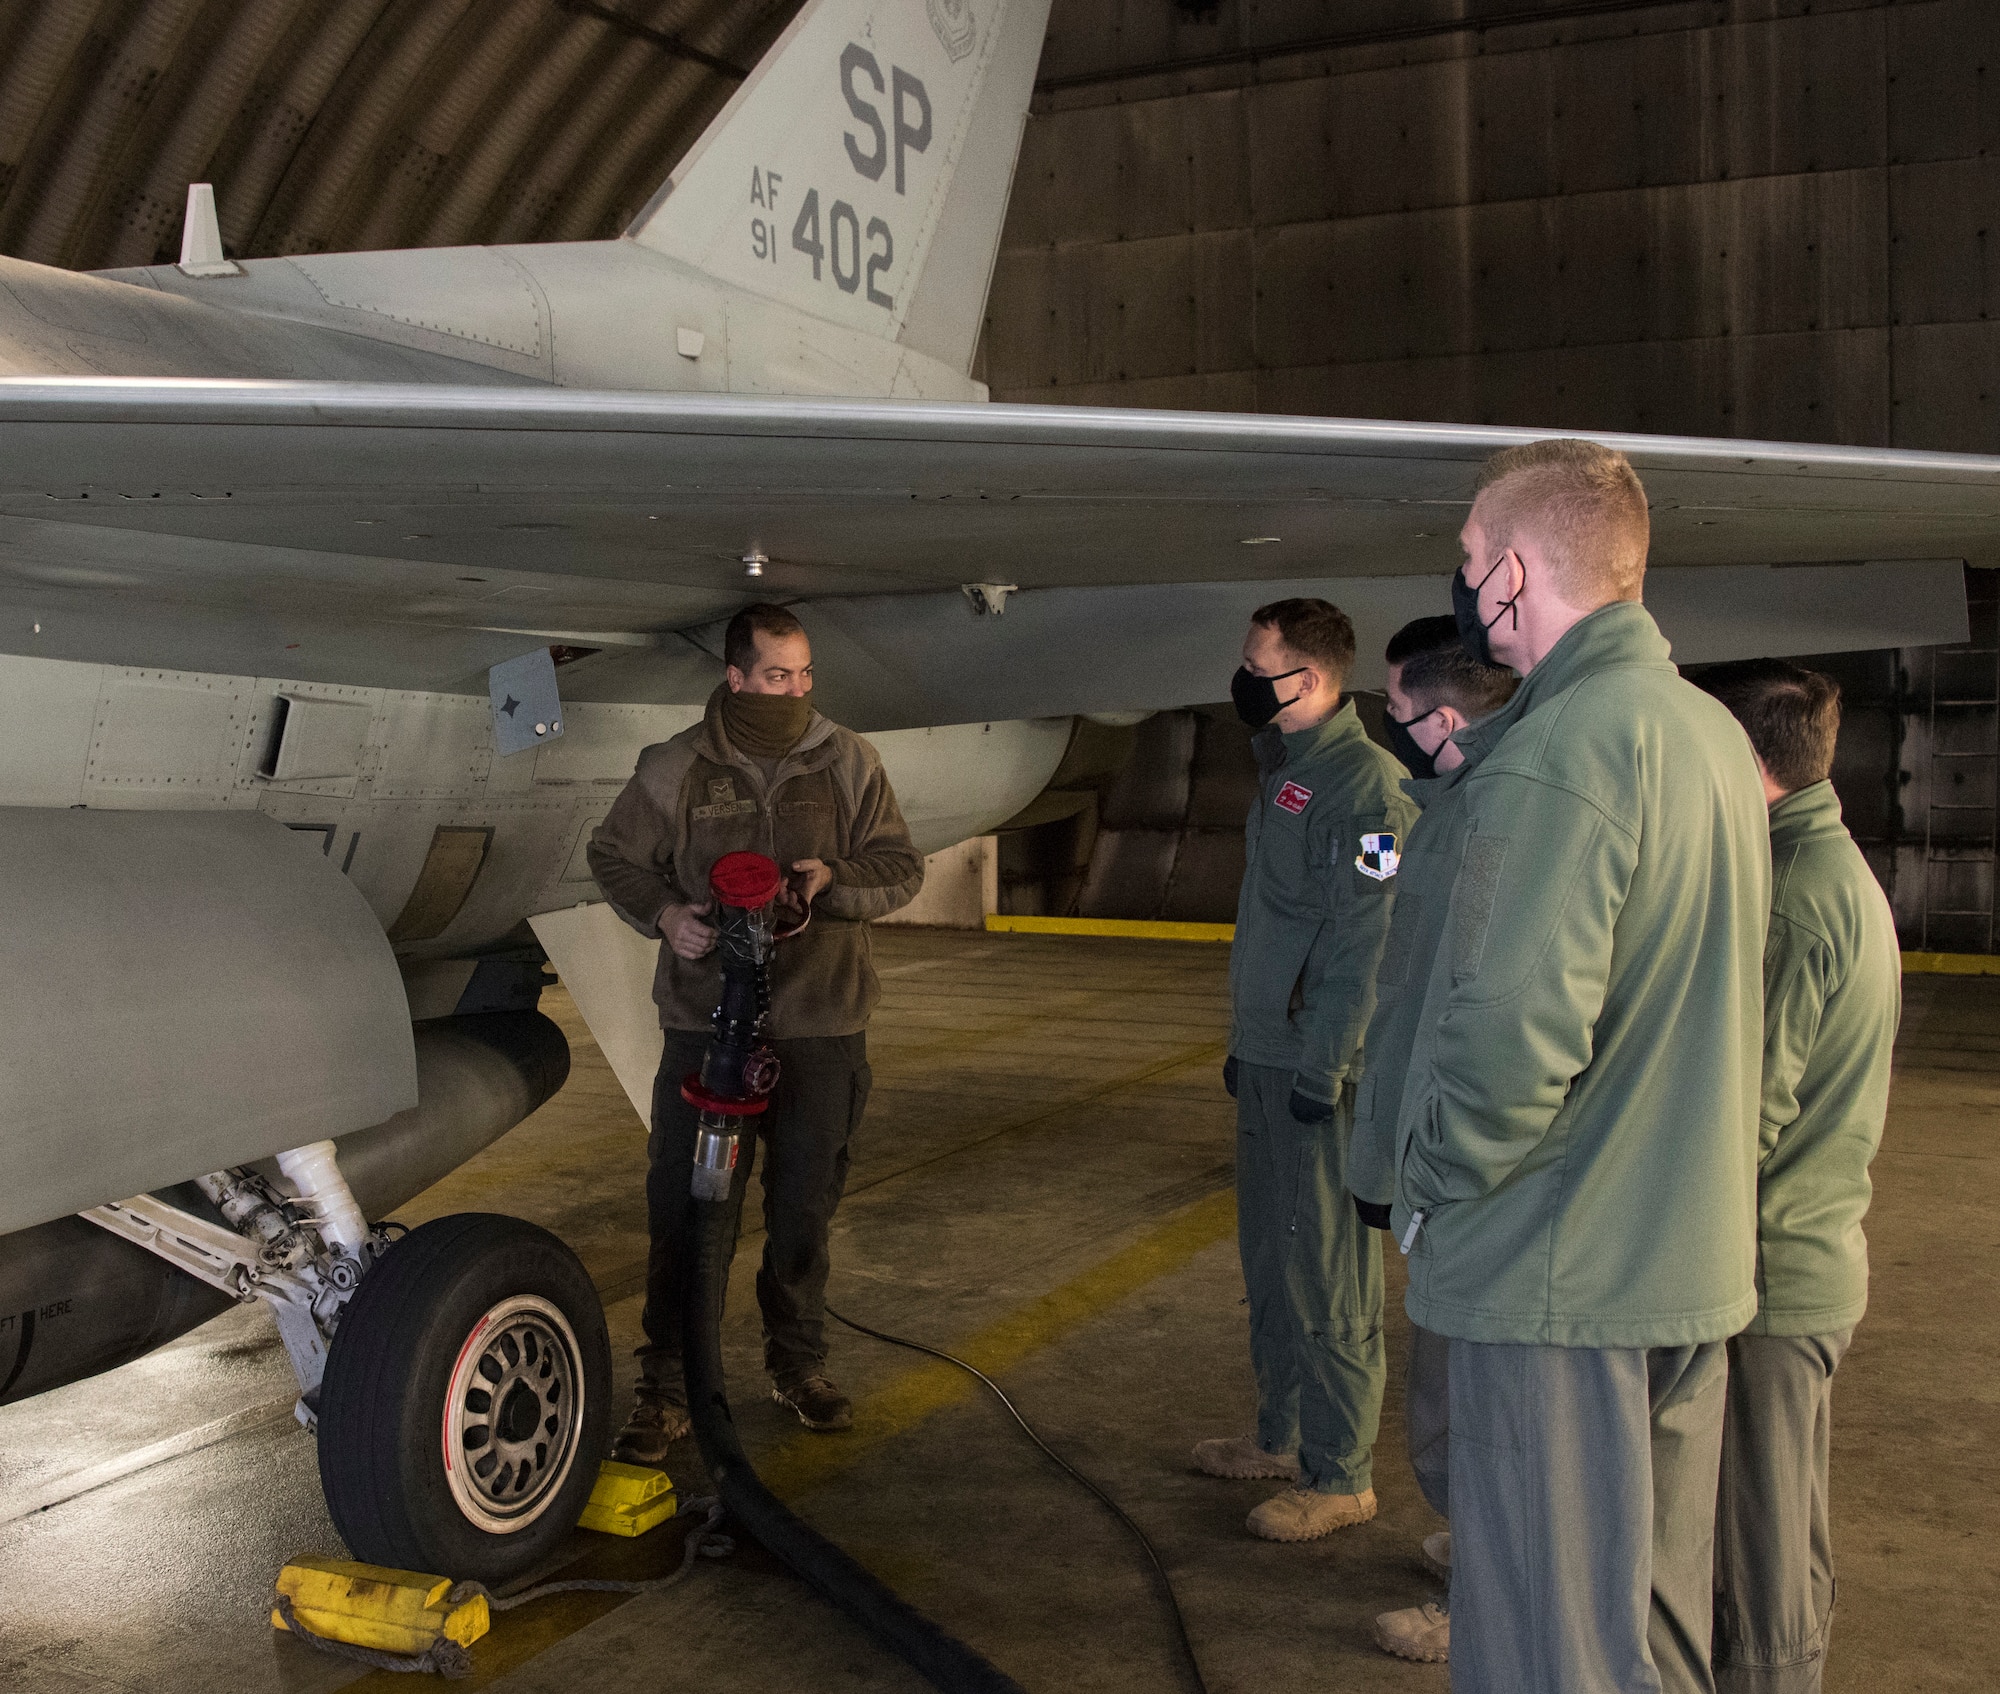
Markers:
730,1091
943,1659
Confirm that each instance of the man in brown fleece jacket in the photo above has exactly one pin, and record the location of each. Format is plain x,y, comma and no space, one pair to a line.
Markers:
766,773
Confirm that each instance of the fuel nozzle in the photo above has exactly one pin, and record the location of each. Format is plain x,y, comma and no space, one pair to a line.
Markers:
738,1068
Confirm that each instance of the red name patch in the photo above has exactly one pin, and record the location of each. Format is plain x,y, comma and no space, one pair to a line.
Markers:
1293,798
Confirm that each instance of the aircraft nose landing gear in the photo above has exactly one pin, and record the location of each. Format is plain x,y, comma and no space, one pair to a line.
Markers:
466,1401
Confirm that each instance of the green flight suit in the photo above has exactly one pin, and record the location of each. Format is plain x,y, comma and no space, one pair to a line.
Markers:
1833,996
1310,924
1416,931
1833,993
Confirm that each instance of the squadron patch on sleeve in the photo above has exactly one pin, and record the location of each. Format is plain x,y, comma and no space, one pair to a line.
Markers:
1378,858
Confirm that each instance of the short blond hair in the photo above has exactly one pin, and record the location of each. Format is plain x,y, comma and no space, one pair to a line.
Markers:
1583,504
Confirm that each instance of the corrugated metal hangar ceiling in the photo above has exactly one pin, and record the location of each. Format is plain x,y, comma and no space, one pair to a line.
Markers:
331,125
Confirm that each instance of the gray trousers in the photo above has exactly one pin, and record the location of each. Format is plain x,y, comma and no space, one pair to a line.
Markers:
1427,1415
1314,1274
1583,1518
1774,1584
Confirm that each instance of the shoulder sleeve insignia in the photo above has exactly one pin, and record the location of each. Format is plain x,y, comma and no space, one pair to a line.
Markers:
1378,858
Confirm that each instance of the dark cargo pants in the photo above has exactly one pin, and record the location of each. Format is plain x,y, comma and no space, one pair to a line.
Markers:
1583,1517
821,1094
1313,1270
1773,1544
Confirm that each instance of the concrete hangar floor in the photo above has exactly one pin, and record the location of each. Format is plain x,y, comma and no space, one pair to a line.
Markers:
1043,1182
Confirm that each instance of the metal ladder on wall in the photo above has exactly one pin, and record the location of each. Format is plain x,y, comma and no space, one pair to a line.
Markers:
1959,831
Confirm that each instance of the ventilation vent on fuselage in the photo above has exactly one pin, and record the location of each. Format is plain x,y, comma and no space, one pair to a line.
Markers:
315,740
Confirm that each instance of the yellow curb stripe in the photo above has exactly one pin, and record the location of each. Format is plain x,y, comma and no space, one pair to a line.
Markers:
807,1461
1136,929
1951,964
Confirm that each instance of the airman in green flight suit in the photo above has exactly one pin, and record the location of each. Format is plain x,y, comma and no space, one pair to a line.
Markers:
1323,842
1833,996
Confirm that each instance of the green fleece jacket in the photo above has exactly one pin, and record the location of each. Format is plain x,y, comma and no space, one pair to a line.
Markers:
1416,931
1833,995
1314,910
1577,1148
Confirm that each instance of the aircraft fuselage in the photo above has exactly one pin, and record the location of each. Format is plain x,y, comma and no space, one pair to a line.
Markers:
589,314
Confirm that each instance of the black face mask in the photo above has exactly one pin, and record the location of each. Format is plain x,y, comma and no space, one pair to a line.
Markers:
1475,635
1256,697
1404,745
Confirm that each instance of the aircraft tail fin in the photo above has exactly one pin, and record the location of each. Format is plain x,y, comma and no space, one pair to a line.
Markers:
861,172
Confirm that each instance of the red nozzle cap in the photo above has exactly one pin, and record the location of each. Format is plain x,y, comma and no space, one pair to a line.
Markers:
745,880
703,1101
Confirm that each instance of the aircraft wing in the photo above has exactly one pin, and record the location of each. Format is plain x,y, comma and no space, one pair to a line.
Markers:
409,536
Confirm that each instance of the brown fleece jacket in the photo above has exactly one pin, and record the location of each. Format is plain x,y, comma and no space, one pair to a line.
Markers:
695,798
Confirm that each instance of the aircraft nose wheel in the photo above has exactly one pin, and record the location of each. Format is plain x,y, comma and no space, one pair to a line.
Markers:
511,1406
466,1402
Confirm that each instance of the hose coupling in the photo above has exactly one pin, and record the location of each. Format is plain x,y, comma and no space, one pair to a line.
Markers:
717,1143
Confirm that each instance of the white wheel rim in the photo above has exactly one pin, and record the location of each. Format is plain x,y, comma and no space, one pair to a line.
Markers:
513,1411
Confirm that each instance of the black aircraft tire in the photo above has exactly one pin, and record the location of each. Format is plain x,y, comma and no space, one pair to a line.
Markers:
478,1340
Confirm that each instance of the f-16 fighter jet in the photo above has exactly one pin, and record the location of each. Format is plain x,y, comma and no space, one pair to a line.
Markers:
339,593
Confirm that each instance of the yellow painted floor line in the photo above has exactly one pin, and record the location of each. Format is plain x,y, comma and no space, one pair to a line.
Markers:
1952,964
806,1461
629,1279
1134,929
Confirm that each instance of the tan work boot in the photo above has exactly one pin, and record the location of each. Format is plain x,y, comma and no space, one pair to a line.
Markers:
820,1406
1240,1457
1422,1633
658,1420
1305,1514
1437,1554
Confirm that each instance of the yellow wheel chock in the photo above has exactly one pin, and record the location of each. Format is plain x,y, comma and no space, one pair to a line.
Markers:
392,1611
411,1612
629,1499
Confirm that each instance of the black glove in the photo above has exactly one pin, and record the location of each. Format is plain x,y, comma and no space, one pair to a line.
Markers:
1373,1214
1308,1110
1229,1075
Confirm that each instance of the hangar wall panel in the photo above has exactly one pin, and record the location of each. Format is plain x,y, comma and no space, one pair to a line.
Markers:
1947,386
1773,225
1941,103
